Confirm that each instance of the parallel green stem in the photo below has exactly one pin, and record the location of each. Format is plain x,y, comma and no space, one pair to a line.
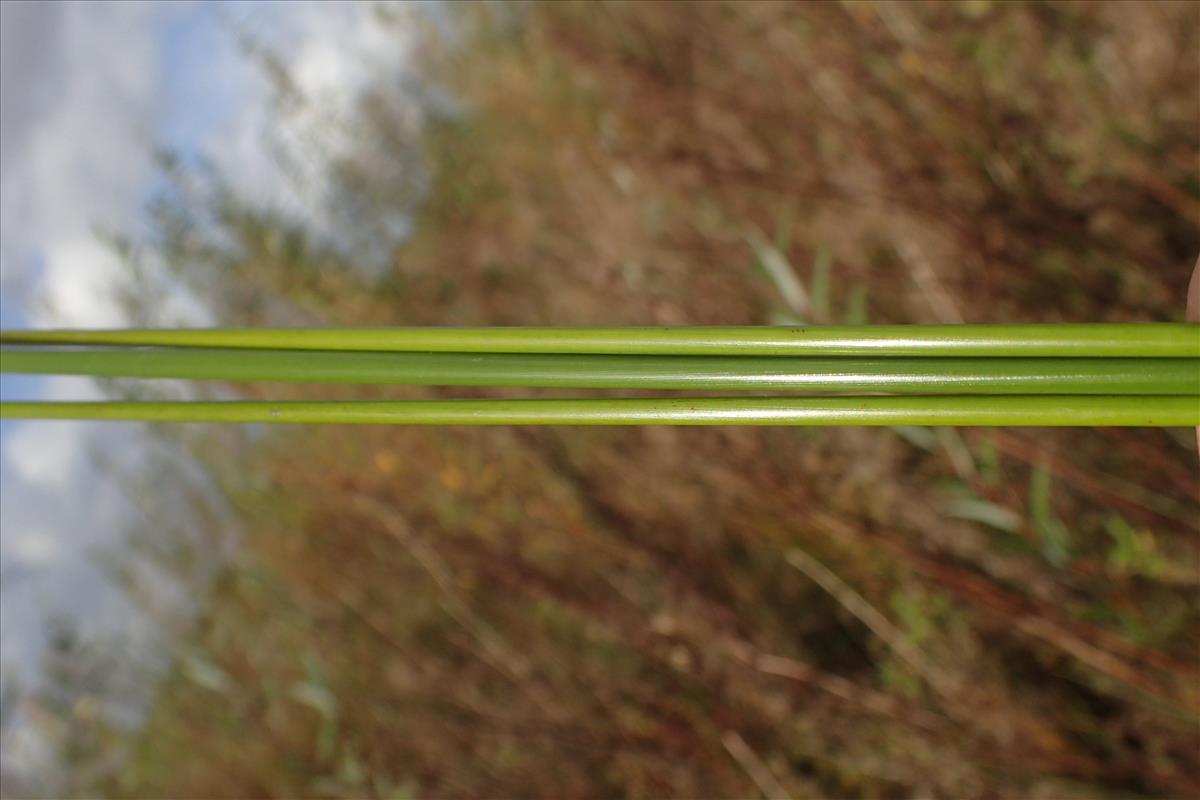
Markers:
1165,376
1045,410
1135,340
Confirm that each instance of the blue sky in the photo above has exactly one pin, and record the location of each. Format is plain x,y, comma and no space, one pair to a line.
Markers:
87,91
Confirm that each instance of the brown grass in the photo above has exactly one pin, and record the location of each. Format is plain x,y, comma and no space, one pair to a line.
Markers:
720,613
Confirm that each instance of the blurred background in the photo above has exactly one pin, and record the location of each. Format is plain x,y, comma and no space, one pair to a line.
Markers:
658,612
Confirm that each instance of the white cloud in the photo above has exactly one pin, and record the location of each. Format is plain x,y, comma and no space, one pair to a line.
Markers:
83,85
45,454
78,157
70,387
80,86
35,547
331,53
86,90
79,275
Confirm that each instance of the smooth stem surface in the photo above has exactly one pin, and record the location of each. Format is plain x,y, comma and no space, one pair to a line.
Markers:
1166,376
979,410
1147,340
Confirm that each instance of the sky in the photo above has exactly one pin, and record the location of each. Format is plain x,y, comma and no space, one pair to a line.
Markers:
88,91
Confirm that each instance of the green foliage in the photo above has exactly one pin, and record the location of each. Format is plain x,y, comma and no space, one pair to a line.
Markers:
1134,551
1056,540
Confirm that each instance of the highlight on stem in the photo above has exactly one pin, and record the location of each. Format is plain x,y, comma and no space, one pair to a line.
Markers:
1066,375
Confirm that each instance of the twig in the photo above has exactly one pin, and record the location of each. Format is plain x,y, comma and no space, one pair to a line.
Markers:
753,765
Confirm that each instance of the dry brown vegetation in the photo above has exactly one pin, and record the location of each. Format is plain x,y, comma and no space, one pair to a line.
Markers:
725,613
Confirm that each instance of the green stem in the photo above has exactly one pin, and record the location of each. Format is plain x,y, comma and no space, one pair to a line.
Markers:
1138,340
1168,376
980,410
